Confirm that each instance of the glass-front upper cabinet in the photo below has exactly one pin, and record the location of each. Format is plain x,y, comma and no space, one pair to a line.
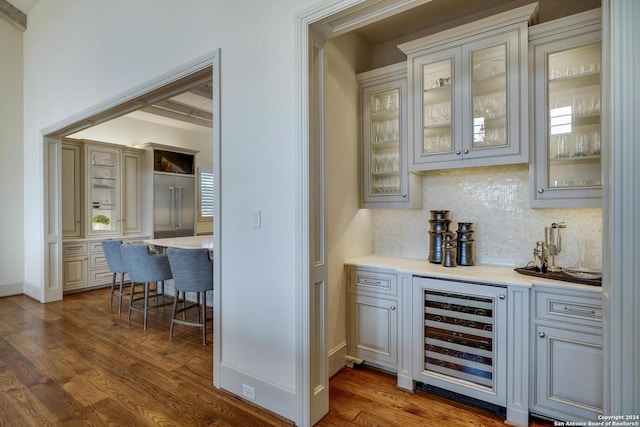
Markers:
468,103
489,91
439,106
567,171
386,182
103,195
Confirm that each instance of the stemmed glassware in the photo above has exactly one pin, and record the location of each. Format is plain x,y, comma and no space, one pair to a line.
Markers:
446,112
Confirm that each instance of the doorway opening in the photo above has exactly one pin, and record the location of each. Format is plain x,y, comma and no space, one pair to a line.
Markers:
155,96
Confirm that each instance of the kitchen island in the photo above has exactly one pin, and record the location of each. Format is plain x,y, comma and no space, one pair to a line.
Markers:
486,332
186,242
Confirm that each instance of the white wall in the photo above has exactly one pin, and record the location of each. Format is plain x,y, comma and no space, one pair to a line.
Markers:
78,54
11,163
349,228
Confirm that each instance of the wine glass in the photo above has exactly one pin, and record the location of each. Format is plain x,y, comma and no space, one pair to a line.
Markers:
490,105
433,114
446,111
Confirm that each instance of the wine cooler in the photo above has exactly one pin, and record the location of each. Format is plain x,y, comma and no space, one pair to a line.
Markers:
462,338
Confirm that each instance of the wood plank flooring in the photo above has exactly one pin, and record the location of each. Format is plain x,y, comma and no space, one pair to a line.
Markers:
76,362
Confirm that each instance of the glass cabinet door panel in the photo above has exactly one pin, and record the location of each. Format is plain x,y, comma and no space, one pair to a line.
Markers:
573,127
489,93
438,107
104,190
385,142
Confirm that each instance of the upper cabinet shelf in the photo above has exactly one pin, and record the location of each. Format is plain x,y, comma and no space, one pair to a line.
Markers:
468,93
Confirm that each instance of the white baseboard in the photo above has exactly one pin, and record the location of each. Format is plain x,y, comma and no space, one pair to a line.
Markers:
270,396
9,289
337,359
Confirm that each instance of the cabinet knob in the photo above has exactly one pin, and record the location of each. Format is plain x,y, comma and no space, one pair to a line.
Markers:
541,334
458,152
540,190
502,296
465,151
393,307
404,194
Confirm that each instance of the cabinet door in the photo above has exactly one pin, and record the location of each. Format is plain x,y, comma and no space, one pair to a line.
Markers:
373,326
103,194
469,103
566,130
75,272
131,192
71,189
568,373
492,98
437,113
386,182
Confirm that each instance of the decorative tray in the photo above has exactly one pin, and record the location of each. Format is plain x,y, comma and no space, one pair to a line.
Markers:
560,275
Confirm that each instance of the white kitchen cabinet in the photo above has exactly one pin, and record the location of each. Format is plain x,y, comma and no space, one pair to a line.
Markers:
468,94
373,316
132,179
84,264
75,263
566,368
565,59
386,182
114,189
71,181
103,190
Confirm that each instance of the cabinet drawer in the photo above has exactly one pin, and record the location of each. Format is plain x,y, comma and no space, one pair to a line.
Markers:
96,247
70,249
100,277
579,308
98,261
373,282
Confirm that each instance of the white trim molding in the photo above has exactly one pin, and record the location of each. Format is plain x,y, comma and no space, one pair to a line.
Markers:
621,201
13,15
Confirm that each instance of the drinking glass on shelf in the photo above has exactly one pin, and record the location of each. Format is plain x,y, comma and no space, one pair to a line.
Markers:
563,146
595,143
582,144
446,111
490,105
433,113
377,105
578,107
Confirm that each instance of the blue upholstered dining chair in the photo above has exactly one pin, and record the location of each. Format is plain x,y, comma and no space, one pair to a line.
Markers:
145,267
192,271
112,253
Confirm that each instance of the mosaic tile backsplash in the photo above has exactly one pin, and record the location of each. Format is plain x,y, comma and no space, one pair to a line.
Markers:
496,201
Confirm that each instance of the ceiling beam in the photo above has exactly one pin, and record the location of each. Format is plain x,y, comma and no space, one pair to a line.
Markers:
179,116
13,15
187,110
205,91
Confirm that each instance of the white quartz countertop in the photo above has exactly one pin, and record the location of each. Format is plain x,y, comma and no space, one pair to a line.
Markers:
187,242
490,274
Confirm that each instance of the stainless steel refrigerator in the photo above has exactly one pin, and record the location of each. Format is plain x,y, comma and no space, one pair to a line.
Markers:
173,205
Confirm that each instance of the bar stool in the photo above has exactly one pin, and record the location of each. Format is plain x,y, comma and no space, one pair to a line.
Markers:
192,271
145,267
112,253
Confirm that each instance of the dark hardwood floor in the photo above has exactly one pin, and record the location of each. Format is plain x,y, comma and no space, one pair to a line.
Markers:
76,362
